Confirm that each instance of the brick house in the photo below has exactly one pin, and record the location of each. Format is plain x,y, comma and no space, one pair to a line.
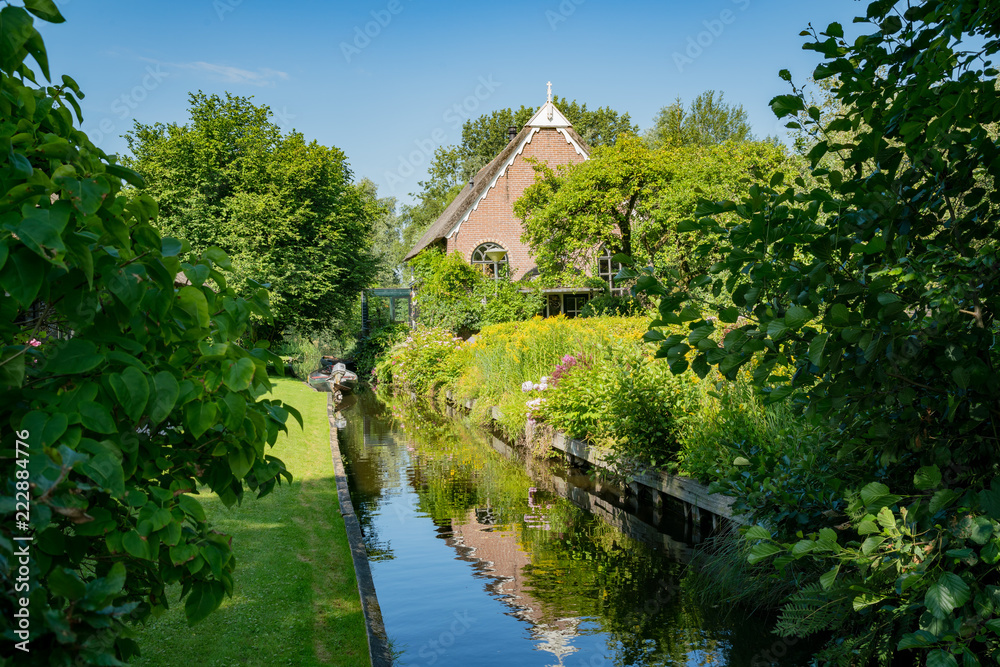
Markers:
481,218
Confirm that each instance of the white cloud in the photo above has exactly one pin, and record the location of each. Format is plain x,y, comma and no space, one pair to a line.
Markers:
260,77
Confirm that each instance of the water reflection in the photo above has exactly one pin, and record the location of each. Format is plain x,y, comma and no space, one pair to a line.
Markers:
483,560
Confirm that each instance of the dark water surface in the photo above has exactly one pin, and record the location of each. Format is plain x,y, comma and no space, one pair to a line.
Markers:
481,558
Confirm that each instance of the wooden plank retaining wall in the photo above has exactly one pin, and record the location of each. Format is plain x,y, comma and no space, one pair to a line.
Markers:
682,488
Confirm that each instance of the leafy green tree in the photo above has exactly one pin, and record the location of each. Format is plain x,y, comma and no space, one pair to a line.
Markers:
708,121
872,299
629,198
282,207
121,392
388,247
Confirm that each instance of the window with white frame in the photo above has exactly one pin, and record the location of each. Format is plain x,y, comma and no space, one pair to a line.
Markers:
491,268
607,269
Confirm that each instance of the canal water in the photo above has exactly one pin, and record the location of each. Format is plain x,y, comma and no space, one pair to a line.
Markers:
482,558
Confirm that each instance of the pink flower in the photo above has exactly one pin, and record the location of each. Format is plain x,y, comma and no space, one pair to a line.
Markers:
34,342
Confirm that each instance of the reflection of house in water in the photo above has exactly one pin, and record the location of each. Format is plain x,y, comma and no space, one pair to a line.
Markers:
496,554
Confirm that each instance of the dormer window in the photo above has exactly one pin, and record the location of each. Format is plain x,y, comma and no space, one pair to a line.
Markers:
489,258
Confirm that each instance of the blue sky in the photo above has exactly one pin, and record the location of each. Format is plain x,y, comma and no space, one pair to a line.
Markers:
388,80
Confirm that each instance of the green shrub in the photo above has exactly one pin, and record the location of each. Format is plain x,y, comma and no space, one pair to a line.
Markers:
606,305
454,295
370,350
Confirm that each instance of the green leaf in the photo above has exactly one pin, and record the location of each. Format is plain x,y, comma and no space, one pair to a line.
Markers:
784,105
941,499
927,477
74,356
829,578
45,10
990,500
12,366
982,530
239,374
165,393
135,545
199,417
240,461
41,229
757,533
204,598
946,594
941,658
22,276
132,391
797,316
817,347
871,544
918,639
192,301
126,174
96,417
66,583
762,551
876,495
102,588
838,315
192,507
107,471
182,553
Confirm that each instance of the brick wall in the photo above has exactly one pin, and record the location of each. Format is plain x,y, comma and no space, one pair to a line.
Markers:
494,219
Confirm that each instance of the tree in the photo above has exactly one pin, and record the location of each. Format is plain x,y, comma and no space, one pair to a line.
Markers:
872,300
121,392
388,247
707,122
629,198
283,208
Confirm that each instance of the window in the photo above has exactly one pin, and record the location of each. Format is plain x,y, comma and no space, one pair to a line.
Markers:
569,305
489,267
573,303
607,269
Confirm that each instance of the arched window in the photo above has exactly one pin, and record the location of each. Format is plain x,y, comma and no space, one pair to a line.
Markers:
483,262
607,269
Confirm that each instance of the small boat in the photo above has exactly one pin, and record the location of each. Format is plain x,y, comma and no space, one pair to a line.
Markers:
343,380
333,377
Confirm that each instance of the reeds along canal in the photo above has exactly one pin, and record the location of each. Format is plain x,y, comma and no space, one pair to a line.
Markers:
481,557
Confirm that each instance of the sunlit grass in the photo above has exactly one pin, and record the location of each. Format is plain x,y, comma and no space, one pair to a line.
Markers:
296,598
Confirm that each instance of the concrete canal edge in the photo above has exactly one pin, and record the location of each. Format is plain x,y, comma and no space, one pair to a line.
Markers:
378,644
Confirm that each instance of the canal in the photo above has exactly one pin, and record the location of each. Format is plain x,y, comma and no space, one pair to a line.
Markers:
480,557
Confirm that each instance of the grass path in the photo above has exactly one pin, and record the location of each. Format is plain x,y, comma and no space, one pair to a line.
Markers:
296,598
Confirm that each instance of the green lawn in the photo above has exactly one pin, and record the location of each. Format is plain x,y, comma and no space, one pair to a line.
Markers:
296,598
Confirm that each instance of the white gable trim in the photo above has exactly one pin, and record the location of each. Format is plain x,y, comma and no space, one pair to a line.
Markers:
576,146
549,116
520,149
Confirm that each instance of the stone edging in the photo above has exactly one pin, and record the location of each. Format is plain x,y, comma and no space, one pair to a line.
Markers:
378,646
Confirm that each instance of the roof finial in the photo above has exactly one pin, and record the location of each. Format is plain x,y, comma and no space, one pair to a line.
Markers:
550,91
